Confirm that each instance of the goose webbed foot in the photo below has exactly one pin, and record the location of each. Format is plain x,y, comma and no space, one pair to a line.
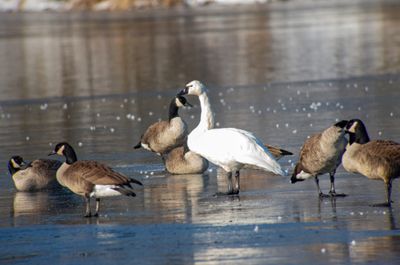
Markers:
334,194
233,192
384,204
87,215
323,195
228,193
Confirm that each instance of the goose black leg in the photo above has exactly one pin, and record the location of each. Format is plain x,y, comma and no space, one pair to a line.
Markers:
320,194
97,207
332,192
388,202
88,213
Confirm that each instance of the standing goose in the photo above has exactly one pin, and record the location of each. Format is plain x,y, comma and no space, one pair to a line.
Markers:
91,178
322,153
229,148
181,160
37,175
165,135
378,159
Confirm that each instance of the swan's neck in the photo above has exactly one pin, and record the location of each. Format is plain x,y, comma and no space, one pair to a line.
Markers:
207,115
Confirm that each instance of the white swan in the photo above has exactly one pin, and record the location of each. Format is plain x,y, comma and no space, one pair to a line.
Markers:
229,148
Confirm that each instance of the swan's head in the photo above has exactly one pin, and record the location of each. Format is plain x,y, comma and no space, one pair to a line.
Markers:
195,88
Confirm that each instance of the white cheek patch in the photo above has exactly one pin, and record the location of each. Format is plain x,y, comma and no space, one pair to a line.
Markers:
353,127
61,150
15,164
178,103
303,175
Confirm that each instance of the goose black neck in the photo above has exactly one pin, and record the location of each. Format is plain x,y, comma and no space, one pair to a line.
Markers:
12,169
173,110
70,155
360,136
185,148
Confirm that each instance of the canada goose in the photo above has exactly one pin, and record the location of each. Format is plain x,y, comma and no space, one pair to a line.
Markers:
37,175
181,160
378,159
321,154
90,178
229,148
165,135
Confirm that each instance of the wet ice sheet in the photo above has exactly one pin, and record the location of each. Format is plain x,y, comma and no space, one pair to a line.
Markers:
177,218
183,244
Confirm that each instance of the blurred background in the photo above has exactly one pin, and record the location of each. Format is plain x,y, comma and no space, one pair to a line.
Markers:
25,5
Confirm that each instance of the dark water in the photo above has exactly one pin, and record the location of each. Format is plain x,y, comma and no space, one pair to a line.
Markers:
283,71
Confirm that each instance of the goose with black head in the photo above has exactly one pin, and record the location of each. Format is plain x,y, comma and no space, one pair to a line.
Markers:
375,159
91,178
163,136
321,154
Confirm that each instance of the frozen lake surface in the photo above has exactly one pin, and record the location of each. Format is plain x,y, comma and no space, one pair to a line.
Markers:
283,71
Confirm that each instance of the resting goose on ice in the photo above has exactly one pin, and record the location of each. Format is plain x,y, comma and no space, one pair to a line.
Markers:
37,175
321,154
91,178
378,159
162,136
181,160
229,148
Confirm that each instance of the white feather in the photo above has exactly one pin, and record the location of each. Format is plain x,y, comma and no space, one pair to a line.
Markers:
146,146
303,175
104,191
228,148
233,148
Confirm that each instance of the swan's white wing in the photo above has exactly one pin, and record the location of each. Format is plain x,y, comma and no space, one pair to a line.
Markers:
229,147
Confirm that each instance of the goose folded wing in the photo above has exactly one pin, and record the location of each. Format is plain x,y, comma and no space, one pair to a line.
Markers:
47,164
152,134
99,174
